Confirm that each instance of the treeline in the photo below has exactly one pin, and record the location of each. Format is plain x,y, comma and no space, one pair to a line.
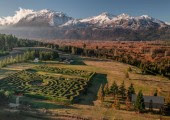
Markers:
3,53
161,67
8,42
29,55
121,93
44,55
5,96
116,90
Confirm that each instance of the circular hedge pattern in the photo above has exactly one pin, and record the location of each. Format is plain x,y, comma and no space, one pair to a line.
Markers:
31,83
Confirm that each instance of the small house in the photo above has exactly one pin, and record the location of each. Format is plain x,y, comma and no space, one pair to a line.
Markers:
156,101
15,105
36,60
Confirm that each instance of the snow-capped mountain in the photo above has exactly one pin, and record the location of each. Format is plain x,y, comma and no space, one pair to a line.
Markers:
50,24
102,19
27,17
106,20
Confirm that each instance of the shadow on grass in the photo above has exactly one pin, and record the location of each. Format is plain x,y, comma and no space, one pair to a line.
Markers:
40,105
91,92
78,62
7,115
4,72
43,104
96,59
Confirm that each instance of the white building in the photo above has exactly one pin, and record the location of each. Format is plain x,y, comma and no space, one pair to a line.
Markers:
36,60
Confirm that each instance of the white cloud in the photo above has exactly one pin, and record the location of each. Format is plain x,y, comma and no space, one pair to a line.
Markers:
21,13
168,23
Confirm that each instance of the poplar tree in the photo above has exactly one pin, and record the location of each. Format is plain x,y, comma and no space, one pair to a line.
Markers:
127,75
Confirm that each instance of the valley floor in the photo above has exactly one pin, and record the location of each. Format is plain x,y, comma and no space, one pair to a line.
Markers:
106,71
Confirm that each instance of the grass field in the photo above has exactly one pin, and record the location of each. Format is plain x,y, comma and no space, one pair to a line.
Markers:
115,71
106,71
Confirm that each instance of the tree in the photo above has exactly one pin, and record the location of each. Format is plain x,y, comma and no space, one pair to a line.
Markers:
130,91
156,93
122,89
168,99
8,94
73,50
139,103
2,97
101,94
127,75
5,96
106,89
129,69
114,89
97,47
84,45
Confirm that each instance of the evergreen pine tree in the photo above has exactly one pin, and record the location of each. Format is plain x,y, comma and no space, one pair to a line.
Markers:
156,93
106,89
114,89
122,89
139,103
130,91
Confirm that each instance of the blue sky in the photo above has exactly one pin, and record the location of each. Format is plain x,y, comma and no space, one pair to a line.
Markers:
84,8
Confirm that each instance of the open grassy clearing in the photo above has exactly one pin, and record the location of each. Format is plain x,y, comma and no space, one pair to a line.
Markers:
115,71
98,113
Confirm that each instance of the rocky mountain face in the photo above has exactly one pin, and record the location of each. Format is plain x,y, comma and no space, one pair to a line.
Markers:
48,24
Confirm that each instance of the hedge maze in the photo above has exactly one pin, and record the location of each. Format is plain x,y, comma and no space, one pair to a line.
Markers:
65,71
32,84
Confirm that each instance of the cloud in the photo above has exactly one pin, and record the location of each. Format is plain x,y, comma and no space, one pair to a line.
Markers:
21,13
168,23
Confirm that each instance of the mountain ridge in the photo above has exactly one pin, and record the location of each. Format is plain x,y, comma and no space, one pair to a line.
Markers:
103,26
53,18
